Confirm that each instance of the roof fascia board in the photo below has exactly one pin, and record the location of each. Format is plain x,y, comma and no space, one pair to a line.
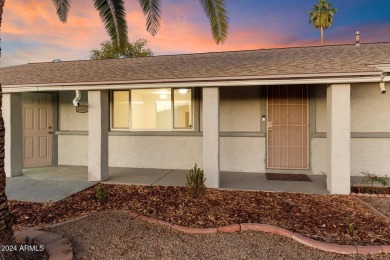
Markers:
269,77
237,83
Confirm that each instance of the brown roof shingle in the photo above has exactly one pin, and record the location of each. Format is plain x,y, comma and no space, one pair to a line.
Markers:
264,62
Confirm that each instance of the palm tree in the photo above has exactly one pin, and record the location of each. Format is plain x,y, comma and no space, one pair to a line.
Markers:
321,16
113,15
6,218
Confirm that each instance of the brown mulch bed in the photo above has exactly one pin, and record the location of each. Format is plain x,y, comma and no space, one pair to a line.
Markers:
286,177
329,218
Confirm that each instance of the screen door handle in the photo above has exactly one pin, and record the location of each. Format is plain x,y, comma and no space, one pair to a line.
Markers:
269,125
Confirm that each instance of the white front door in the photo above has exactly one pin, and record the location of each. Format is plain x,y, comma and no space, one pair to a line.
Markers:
37,129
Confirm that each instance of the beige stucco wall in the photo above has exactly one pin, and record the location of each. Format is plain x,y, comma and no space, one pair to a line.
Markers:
369,109
369,113
241,114
320,108
240,109
366,154
73,150
370,154
319,155
242,154
166,152
68,119
246,154
181,152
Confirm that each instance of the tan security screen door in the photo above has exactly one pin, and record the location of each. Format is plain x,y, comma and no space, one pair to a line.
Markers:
37,129
287,127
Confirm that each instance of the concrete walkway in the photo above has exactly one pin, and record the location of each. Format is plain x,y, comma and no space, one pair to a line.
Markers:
59,182
56,183
229,180
47,184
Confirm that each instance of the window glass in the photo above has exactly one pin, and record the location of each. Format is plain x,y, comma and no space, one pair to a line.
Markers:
120,117
151,109
182,116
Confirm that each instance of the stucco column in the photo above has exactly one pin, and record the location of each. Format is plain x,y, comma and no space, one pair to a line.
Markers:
98,135
211,136
339,138
12,116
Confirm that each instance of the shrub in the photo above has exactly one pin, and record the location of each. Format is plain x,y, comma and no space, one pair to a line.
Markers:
371,178
351,230
196,181
102,194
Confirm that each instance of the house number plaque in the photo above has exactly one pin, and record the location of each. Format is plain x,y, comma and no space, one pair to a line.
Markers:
82,109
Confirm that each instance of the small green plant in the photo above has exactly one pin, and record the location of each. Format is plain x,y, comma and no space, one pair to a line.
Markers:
196,181
371,178
351,231
102,194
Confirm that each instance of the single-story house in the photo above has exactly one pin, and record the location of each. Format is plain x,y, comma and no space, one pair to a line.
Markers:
315,110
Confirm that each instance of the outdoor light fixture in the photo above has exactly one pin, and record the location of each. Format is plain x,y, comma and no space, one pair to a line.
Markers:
183,91
385,78
382,87
76,100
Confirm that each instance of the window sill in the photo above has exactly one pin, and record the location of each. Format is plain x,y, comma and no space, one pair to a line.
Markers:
154,133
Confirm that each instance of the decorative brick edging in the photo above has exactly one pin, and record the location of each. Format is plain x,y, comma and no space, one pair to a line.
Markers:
386,218
328,247
55,245
370,195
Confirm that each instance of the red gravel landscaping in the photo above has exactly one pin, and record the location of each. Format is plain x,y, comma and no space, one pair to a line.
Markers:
330,218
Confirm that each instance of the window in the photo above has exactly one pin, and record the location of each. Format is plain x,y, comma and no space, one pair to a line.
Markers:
182,106
120,109
152,109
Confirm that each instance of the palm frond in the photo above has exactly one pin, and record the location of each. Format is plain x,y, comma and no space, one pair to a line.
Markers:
216,13
151,8
62,8
113,15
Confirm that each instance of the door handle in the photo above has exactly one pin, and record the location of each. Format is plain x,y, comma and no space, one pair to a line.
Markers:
50,132
269,126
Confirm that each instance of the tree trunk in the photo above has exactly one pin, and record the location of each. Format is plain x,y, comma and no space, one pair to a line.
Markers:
6,218
322,35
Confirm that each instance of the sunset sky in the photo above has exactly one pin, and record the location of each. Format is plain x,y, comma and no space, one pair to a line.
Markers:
31,31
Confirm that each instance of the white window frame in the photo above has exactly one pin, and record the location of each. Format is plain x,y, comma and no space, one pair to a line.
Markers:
172,129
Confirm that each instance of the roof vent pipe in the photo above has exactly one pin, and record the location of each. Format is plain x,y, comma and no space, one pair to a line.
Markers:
76,100
357,37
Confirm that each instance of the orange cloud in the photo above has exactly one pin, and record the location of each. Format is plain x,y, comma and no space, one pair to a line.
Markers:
37,21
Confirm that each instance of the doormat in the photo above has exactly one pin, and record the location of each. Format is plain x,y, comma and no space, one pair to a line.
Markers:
286,177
